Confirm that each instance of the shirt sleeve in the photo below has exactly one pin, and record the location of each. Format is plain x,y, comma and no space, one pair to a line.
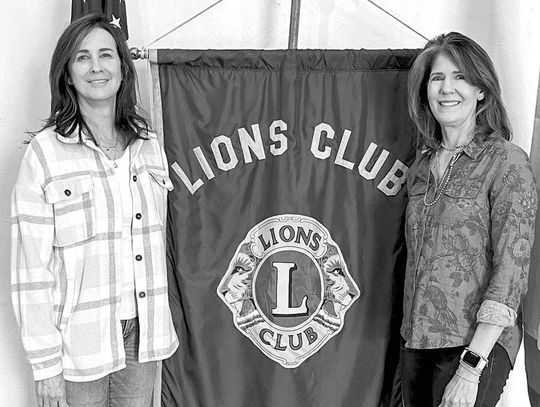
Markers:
32,280
165,165
513,203
495,313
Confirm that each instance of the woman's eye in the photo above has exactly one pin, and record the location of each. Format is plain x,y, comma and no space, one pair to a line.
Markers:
437,78
82,58
460,76
106,55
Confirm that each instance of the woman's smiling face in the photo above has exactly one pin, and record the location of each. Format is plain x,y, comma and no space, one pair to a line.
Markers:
452,99
95,68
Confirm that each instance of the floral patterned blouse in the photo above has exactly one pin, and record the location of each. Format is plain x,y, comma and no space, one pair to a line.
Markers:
468,253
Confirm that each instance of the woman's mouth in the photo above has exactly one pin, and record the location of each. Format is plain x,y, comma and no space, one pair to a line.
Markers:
449,103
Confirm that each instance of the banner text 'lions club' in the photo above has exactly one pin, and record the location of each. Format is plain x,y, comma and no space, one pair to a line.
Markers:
225,158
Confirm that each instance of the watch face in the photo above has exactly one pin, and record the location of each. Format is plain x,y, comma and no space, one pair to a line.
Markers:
471,359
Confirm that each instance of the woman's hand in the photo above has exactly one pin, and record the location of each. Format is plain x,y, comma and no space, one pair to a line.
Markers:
51,392
460,391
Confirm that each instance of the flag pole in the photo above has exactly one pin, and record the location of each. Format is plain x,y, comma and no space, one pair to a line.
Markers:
294,23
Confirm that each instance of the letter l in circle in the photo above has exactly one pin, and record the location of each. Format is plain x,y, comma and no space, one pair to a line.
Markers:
283,292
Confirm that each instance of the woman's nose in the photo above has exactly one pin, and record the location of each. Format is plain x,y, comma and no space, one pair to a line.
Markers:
447,86
95,65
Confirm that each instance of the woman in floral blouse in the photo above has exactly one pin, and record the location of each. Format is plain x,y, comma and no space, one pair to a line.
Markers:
470,221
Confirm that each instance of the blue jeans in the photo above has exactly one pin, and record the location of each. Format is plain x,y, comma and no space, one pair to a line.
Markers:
129,387
426,372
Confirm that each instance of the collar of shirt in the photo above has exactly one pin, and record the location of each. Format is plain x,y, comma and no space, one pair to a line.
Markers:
476,146
473,149
89,141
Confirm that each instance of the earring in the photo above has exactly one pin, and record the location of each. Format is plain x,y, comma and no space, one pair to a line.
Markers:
480,97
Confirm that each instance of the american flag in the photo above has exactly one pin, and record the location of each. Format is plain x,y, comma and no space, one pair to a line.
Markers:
115,10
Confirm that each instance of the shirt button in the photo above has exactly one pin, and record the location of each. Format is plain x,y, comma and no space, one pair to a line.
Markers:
138,257
138,216
134,178
142,294
67,192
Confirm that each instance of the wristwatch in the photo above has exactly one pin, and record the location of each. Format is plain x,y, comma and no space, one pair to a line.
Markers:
473,359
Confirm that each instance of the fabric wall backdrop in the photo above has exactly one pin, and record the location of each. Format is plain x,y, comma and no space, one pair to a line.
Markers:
285,225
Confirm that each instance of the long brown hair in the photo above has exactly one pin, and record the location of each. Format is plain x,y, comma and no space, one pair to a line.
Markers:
476,65
65,116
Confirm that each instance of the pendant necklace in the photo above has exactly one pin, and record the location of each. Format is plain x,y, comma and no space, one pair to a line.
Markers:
111,151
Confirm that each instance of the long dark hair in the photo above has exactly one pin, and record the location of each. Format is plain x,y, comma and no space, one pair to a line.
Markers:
474,62
65,116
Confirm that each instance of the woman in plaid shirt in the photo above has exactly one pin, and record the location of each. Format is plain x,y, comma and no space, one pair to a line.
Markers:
89,282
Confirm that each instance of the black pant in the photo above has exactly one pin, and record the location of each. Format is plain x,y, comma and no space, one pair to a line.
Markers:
532,367
426,372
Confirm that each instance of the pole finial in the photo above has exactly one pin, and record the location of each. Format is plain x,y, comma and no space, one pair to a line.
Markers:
137,53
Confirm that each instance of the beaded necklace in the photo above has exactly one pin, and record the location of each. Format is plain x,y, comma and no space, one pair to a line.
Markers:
447,172
446,179
458,146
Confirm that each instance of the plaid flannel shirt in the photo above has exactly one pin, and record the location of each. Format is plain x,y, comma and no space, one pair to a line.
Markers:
66,256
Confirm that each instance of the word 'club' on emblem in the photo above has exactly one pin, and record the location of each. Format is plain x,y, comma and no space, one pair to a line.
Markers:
288,288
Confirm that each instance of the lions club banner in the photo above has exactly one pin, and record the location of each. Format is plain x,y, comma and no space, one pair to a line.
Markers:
285,245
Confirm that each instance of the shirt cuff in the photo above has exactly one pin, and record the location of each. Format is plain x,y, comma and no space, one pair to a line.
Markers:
496,313
50,369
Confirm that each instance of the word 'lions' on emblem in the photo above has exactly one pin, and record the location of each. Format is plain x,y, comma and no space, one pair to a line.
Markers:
288,288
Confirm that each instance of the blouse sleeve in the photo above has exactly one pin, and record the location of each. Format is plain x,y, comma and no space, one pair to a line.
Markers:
513,203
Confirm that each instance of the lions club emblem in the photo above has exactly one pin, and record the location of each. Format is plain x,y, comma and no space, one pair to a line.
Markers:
288,288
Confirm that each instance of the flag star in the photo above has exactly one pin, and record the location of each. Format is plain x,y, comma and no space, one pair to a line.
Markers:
115,21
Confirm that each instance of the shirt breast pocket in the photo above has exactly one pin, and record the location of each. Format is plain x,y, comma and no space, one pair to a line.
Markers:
74,209
460,202
161,184
415,207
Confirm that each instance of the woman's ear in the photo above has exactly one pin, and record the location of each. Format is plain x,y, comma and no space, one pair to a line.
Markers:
480,95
